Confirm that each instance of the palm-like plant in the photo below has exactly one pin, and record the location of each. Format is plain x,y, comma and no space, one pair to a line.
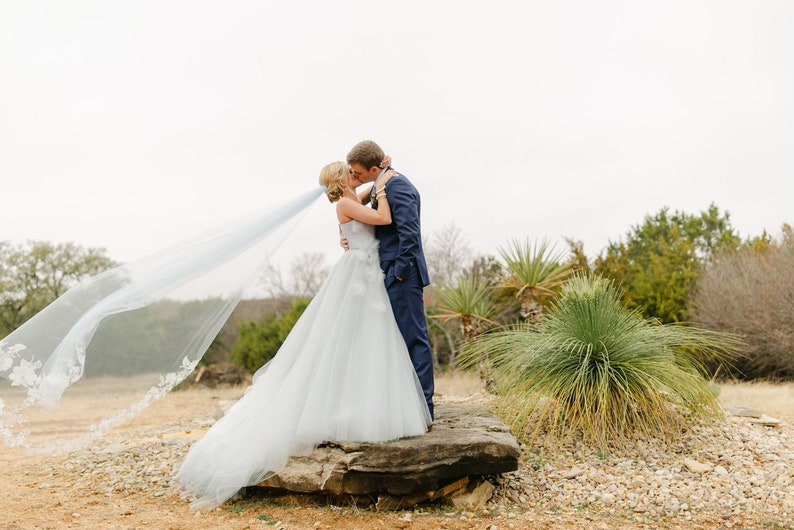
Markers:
469,301
595,367
533,271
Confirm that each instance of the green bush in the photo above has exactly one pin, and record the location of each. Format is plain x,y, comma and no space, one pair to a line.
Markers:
35,273
660,261
594,367
260,341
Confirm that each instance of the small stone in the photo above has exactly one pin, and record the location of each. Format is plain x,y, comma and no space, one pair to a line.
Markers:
696,467
573,473
766,420
744,412
721,471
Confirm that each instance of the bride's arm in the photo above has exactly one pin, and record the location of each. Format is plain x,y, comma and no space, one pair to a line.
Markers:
351,209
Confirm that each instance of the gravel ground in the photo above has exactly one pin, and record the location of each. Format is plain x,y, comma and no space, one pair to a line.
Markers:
740,471
738,475
747,472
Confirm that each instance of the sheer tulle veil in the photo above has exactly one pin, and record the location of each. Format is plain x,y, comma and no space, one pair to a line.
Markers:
124,338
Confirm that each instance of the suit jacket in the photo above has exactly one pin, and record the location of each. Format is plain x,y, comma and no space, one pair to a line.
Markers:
401,241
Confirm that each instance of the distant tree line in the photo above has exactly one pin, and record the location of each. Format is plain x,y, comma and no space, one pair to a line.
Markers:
35,273
674,267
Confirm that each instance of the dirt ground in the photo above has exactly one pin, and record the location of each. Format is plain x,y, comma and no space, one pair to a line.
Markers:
45,492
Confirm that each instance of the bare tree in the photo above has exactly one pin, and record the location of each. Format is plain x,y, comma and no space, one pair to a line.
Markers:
304,277
448,254
272,281
308,272
750,292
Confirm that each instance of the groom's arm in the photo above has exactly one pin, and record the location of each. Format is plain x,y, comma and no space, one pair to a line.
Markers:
364,196
405,216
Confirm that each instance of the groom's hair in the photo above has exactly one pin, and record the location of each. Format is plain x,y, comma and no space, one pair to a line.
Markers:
366,153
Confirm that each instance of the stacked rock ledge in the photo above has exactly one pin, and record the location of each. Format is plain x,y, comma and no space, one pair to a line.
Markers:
466,441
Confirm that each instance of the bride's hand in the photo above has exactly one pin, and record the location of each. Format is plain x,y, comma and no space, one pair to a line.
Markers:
385,178
386,162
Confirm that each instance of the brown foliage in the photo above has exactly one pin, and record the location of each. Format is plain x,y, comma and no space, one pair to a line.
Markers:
750,292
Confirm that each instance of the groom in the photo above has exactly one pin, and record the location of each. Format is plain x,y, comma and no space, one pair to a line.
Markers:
401,258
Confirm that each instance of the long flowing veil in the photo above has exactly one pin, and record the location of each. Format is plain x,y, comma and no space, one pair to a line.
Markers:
127,336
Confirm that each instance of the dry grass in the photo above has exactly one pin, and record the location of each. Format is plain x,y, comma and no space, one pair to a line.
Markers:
774,399
458,384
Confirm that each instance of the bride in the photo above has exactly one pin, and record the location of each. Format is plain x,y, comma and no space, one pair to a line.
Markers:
342,374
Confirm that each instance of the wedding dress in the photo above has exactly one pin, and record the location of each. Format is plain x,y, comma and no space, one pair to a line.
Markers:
343,374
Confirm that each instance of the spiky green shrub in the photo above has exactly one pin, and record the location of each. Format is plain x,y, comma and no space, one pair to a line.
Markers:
534,271
593,367
468,300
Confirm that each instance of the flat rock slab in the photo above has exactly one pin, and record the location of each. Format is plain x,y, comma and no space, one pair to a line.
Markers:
465,441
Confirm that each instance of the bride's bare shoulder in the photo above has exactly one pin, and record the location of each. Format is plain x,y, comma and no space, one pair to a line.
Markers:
346,203
344,208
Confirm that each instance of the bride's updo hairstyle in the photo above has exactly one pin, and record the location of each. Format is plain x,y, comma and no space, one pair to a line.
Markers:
332,177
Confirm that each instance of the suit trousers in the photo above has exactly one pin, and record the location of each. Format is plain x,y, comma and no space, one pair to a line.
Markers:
407,301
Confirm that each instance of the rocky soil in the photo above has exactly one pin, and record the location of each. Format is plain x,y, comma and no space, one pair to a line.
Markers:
739,475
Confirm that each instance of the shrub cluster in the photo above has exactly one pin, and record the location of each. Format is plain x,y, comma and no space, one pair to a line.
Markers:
260,341
750,292
594,367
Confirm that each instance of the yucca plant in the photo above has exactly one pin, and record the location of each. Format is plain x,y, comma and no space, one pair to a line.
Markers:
533,270
593,367
469,302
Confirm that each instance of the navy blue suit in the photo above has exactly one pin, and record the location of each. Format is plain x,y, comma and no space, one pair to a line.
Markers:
402,256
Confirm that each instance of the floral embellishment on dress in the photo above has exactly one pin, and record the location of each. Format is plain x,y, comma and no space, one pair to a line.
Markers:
358,289
170,380
8,355
167,382
6,362
25,374
379,308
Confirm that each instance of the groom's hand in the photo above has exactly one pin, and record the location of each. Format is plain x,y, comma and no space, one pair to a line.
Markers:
343,242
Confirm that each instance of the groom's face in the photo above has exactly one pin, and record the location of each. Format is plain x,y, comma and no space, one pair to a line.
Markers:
353,181
363,174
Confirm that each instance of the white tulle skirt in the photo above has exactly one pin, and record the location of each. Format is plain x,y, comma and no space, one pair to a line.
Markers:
343,374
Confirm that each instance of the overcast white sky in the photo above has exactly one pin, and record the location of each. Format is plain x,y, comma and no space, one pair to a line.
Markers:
131,125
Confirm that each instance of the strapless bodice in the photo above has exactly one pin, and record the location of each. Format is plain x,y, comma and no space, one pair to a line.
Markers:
360,236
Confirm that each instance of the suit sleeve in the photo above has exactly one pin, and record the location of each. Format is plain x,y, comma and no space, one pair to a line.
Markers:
405,216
